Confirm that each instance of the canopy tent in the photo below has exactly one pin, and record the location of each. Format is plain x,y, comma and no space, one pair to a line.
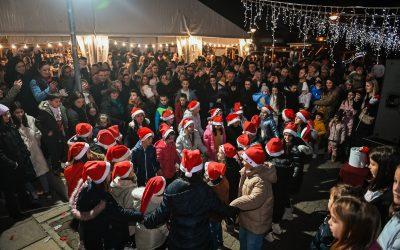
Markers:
113,18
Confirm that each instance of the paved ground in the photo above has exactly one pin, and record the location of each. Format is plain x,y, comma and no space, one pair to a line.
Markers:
50,229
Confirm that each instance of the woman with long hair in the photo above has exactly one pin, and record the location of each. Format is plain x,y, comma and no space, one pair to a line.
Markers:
31,136
43,84
76,112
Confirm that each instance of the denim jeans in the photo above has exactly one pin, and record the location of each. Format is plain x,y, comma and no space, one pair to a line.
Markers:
249,240
216,235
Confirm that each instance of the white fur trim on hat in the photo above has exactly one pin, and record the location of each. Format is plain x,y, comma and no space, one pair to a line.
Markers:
301,116
83,152
140,111
147,136
162,189
217,123
194,169
105,174
127,172
167,118
85,135
188,123
290,132
106,146
276,154
124,157
132,124
239,112
246,158
233,121
169,131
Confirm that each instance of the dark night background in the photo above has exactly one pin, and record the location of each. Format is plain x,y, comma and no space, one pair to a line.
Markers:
233,10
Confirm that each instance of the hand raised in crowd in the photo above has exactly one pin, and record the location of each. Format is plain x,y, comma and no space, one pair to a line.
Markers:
18,84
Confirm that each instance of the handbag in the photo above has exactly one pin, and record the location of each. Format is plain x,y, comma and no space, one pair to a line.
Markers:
364,118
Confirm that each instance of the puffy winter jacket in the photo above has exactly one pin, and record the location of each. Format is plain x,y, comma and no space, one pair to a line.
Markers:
187,206
256,200
183,142
168,157
145,163
323,239
390,235
209,142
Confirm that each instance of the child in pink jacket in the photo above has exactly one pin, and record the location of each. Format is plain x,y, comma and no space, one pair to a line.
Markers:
337,135
214,136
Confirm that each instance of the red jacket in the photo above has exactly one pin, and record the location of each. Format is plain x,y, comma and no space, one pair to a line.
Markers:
167,156
72,174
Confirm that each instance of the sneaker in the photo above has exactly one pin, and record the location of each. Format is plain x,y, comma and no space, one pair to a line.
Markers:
288,215
270,237
276,228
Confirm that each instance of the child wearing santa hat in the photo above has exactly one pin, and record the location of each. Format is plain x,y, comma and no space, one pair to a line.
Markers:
189,137
233,129
107,228
255,198
83,133
146,200
215,176
192,112
282,164
77,157
138,120
214,136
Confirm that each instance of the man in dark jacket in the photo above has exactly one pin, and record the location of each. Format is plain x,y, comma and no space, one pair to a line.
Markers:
144,157
292,98
187,203
53,123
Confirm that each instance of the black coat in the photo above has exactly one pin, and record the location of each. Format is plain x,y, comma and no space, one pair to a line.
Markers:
186,205
110,227
114,110
15,164
323,239
232,133
232,174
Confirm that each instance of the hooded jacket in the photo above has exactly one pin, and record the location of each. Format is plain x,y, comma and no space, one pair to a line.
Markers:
168,157
187,204
256,200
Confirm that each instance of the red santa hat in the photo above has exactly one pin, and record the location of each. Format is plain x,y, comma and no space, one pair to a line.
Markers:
303,115
83,130
359,157
105,139
232,118
217,121
144,133
122,170
115,131
243,141
97,171
268,109
76,151
274,147
167,115
186,122
165,130
193,105
254,156
214,112
154,186
136,111
255,119
249,128
118,153
237,108
229,150
191,162
214,170
290,128
288,115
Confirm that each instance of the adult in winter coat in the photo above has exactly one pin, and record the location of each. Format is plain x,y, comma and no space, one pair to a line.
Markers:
113,107
189,138
167,155
214,136
53,124
42,84
255,199
329,101
268,126
108,228
186,204
144,157
31,136
15,165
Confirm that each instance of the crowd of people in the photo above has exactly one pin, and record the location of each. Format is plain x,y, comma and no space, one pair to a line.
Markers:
157,152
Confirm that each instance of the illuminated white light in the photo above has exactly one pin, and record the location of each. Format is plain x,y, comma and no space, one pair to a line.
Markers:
13,46
131,45
25,47
49,45
115,43
59,44
146,46
138,45
124,44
